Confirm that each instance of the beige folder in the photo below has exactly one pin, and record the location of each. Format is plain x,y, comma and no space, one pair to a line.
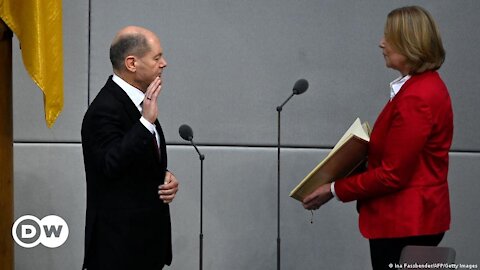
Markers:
349,153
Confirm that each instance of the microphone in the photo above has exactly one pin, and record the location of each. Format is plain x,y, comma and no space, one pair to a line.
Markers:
186,132
299,88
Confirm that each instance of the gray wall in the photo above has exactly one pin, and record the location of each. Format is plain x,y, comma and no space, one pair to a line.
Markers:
230,64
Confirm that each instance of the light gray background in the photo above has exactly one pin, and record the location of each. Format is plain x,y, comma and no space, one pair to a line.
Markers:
230,63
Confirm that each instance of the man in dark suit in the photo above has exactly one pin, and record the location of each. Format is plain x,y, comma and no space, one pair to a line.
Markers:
128,184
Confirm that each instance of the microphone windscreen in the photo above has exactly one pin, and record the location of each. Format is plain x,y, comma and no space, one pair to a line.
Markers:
300,86
186,132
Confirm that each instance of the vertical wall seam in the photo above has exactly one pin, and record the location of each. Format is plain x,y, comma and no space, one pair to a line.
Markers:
89,48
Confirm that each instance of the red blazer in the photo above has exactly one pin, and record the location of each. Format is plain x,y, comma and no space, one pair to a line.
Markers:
404,191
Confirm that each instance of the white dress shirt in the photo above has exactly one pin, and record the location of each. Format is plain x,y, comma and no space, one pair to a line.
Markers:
397,84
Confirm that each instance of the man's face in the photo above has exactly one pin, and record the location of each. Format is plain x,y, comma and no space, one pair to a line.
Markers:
151,65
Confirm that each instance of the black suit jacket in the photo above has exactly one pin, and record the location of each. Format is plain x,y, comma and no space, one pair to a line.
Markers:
127,225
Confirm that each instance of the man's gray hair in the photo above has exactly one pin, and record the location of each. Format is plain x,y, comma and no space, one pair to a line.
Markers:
130,44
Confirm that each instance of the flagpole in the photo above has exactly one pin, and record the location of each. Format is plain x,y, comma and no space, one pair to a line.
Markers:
6,146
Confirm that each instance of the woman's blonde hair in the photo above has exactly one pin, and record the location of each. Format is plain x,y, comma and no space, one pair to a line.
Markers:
414,34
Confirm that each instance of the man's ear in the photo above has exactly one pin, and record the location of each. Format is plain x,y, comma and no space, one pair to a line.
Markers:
130,63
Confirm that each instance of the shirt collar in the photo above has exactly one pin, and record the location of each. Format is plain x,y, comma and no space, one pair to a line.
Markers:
397,84
133,93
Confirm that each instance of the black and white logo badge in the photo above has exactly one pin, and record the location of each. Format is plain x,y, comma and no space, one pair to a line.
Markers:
28,231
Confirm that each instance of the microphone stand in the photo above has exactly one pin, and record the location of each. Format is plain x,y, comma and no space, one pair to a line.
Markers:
201,157
279,110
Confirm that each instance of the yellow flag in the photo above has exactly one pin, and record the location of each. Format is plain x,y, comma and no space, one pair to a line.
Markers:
38,26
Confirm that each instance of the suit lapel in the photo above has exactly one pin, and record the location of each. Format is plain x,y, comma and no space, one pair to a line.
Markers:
121,96
163,148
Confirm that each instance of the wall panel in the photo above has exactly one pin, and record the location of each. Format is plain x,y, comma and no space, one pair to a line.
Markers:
232,62
239,209
50,180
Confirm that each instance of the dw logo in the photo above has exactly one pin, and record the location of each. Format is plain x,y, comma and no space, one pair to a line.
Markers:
28,231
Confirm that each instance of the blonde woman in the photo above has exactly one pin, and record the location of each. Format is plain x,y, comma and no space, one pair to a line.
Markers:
403,196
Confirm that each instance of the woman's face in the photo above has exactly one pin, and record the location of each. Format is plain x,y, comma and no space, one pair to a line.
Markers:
393,59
